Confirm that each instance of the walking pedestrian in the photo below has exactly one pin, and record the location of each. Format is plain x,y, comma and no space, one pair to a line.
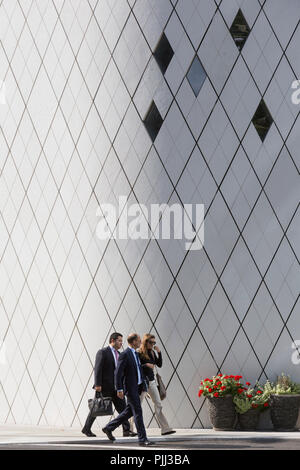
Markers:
150,360
104,372
130,381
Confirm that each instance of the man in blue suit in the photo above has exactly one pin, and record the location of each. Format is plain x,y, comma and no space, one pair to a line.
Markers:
130,381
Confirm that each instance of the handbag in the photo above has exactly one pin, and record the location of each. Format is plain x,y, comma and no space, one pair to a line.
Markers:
100,406
161,386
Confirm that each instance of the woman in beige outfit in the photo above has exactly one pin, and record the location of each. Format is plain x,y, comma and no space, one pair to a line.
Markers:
149,360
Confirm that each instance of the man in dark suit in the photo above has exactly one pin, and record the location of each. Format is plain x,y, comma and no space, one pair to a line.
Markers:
104,371
130,381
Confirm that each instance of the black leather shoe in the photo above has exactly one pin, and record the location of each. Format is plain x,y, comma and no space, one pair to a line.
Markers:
109,434
147,443
88,432
129,434
168,432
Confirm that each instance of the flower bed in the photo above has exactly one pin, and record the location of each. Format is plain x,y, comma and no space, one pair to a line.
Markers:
220,385
231,402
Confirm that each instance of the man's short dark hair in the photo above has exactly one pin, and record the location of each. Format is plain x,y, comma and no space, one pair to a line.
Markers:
132,337
114,336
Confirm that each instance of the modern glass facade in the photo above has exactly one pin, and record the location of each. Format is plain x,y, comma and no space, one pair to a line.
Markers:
163,101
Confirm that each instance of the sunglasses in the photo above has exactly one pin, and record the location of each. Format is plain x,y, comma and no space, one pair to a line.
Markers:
152,342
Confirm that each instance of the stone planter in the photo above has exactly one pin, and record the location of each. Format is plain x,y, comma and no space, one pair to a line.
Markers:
222,413
249,421
284,411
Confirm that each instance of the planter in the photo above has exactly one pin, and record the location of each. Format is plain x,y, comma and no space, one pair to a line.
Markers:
284,411
222,413
249,421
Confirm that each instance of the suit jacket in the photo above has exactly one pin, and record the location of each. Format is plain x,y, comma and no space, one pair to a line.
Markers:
104,371
126,376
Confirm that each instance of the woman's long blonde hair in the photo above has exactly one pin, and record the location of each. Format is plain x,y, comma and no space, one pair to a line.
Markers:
143,350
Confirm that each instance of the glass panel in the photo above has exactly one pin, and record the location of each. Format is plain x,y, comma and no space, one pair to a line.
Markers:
196,76
240,30
163,53
153,121
262,120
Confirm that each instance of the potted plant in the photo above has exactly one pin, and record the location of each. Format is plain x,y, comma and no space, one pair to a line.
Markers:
249,403
285,403
219,391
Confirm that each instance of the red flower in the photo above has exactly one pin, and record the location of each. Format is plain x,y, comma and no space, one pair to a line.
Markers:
238,377
210,390
248,383
240,390
254,406
216,394
249,396
259,392
200,393
223,387
266,404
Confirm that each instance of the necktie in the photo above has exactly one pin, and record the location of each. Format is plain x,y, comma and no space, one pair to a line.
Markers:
139,367
116,355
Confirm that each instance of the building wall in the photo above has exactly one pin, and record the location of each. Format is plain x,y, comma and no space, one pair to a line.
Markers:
80,76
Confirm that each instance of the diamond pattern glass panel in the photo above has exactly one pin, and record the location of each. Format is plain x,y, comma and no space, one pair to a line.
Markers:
262,120
153,121
196,76
240,30
163,53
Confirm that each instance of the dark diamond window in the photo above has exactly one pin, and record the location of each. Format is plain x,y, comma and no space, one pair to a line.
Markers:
240,30
196,75
163,53
153,121
262,120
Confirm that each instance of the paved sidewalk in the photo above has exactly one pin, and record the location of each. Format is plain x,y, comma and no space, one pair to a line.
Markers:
20,434
61,437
